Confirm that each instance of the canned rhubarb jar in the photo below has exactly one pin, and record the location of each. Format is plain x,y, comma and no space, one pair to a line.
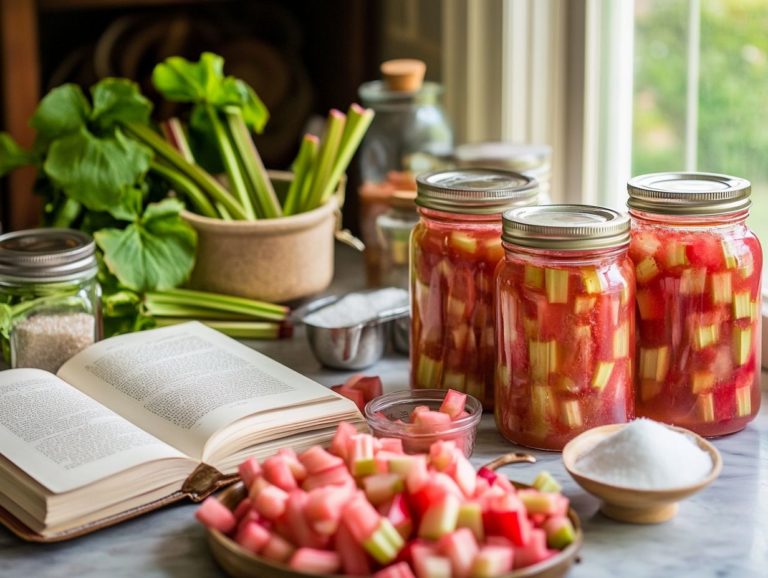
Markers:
455,248
698,270
50,300
565,324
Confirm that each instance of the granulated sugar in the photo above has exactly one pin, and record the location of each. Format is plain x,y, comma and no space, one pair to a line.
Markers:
357,308
646,455
46,341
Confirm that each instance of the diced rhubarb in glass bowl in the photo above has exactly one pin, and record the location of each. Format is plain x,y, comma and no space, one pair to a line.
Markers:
566,338
698,315
452,336
423,416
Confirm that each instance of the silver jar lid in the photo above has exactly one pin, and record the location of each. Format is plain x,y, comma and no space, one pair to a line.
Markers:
475,191
46,255
688,193
565,227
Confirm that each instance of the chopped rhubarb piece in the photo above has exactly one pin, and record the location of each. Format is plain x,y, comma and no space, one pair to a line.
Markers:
570,414
556,285
705,407
442,454
313,561
399,570
338,476
693,281
270,502
543,359
506,517
453,403
242,508
398,513
743,400
702,381
393,445
380,488
591,281
492,561
536,502
646,270
432,421
742,344
277,471
317,460
344,432
300,530
471,517
361,455
277,549
324,506
252,536
354,395
463,473
721,289
654,363
360,517
534,276
440,518
249,470
742,305
429,372
560,532
534,551
384,543
463,242
370,385
544,482
216,516
460,547
354,560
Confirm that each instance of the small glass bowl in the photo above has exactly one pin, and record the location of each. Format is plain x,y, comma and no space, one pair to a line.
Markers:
383,411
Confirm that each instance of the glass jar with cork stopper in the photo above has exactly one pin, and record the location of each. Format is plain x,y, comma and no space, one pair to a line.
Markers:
410,134
50,299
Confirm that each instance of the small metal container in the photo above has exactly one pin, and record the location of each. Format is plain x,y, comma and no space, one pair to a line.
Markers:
355,346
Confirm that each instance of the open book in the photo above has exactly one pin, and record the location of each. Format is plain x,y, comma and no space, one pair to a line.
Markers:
142,420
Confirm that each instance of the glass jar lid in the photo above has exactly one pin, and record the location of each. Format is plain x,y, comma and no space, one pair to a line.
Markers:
688,193
46,254
565,227
475,191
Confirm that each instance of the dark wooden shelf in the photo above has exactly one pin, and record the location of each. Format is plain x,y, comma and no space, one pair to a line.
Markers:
64,5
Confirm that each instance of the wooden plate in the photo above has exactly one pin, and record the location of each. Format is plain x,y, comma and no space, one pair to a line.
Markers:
240,563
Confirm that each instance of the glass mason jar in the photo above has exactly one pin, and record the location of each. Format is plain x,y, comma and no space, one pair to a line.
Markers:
455,248
698,269
394,232
410,134
50,300
565,319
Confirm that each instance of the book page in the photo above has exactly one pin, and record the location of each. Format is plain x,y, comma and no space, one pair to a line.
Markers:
185,382
62,438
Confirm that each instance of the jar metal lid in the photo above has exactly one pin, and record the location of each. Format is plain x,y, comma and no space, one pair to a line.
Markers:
688,193
475,191
46,254
565,227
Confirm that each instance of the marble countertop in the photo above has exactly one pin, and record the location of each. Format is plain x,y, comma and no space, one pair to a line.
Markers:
720,532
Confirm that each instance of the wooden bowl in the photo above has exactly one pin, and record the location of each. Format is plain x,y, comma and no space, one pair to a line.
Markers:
241,563
633,505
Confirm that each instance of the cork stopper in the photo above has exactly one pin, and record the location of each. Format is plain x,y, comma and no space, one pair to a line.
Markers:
403,74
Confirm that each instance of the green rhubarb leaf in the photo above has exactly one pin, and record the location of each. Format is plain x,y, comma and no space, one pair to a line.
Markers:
130,205
95,171
63,111
118,100
156,252
203,82
12,156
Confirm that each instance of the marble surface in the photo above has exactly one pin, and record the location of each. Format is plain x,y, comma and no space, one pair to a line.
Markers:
720,532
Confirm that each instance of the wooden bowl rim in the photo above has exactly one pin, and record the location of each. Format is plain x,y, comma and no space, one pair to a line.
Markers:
567,555
576,447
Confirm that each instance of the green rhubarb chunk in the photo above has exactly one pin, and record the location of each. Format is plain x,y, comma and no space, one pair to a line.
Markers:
570,414
693,281
503,375
743,401
742,344
624,298
556,283
428,372
705,407
533,277
702,381
721,288
730,254
463,242
536,502
471,517
385,543
544,482
565,383
745,271
742,305
646,270
542,404
602,374
530,327
454,380
440,518
591,281
542,359
705,335
654,363
621,341
583,304
560,533
675,255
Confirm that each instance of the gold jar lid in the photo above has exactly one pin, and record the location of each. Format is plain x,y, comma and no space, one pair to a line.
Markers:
475,191
565,227
688,193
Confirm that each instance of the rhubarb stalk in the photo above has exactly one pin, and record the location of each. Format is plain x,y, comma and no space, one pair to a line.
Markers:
321,169
182,185
238,329
301,167
228,303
